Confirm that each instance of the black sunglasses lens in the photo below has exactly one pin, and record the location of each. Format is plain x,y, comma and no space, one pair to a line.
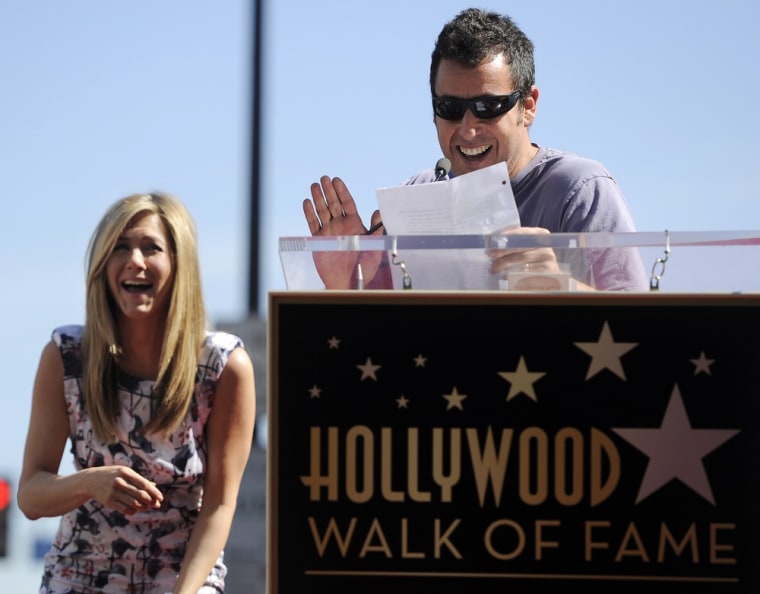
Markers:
448,108
490,108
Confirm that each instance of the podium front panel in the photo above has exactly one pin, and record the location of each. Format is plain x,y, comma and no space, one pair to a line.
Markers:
491,442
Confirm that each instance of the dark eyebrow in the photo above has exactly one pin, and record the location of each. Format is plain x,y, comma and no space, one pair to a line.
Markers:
148,237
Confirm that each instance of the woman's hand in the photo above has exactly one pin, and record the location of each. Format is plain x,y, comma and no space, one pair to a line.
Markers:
122,489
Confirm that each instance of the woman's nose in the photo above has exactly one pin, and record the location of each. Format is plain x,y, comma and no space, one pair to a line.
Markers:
136,259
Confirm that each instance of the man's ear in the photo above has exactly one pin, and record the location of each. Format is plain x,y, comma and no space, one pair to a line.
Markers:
530,102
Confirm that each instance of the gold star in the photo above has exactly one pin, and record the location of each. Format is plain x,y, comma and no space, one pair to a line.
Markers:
606,353
702,365
521,380
403,401
368,370
454,399
419,361
314,391
334,342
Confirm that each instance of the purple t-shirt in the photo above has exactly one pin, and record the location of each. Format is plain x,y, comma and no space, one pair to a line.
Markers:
566,193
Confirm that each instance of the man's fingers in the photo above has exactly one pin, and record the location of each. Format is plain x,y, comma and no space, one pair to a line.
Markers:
312,220
348,206
334,207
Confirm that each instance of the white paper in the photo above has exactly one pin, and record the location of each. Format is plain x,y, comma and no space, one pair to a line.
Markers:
479,202
476,203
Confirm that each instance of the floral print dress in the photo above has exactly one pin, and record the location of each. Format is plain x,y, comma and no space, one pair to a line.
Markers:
99,550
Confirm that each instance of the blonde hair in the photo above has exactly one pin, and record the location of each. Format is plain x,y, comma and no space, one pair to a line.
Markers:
185,323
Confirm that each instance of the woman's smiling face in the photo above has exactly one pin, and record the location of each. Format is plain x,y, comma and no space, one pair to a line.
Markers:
140,270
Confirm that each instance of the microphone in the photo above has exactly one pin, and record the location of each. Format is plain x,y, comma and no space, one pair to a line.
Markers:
442,168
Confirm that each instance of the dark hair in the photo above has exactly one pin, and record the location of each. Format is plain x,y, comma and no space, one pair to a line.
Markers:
474,35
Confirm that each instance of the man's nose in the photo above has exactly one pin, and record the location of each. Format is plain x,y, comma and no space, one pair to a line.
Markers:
470,123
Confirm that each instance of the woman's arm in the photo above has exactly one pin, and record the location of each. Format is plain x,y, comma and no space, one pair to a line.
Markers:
42,491
45,441
229,435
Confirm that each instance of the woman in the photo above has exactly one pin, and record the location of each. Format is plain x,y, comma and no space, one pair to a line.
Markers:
160,413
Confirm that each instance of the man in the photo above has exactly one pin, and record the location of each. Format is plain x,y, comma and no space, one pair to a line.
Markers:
482,80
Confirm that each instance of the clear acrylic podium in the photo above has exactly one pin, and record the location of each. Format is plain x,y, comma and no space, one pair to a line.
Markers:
676,261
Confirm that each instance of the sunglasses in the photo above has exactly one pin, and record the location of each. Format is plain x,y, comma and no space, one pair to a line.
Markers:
485,107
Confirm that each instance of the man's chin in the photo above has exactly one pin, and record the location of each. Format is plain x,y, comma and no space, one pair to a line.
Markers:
469,165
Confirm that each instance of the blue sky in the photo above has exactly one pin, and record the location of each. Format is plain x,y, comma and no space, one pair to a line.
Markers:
102,99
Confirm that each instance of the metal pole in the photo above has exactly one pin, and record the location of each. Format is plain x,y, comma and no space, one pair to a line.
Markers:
255,175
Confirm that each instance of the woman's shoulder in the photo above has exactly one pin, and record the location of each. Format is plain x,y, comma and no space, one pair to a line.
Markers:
222,340
68,334
68,339
217,348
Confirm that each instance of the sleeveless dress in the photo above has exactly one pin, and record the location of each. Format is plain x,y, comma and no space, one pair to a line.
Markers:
98,550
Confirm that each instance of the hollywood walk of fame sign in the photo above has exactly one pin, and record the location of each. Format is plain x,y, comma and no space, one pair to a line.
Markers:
490,442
